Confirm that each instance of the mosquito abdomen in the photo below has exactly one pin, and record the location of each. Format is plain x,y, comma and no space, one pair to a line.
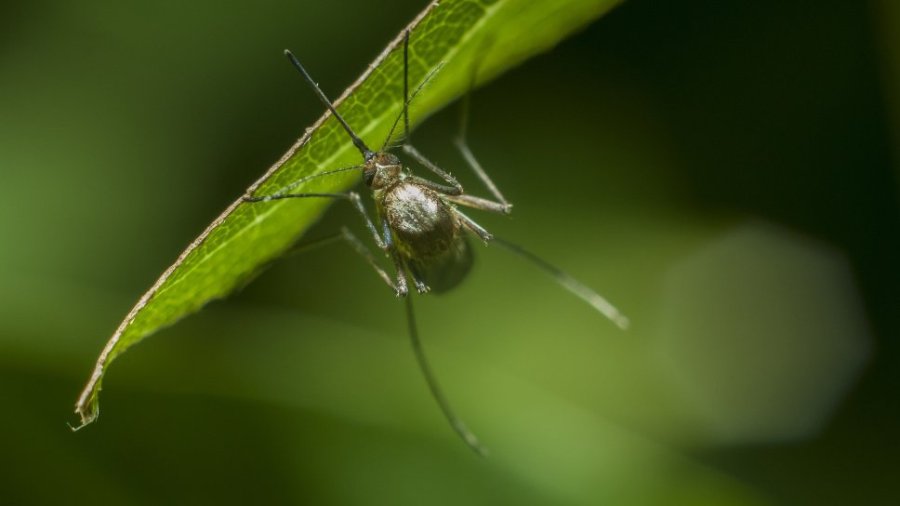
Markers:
445,272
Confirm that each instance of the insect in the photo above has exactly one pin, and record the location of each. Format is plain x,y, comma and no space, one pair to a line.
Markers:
419,226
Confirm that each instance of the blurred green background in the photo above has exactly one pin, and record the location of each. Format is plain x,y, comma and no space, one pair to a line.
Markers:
723,171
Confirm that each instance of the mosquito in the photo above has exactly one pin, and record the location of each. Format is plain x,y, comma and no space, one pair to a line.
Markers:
419,226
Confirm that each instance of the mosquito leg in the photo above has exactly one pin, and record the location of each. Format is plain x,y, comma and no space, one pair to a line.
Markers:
421,286
287,189
306,246
405,85
449,191
391,251
571,284
353,197
470,224
400,286
462,144
479,203
358,246
467,154
454,192
428,164
384,241
435,388
408,148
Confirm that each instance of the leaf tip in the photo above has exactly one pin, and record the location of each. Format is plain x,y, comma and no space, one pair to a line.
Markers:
88,407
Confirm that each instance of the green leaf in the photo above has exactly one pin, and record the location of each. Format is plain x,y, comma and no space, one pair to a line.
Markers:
497,34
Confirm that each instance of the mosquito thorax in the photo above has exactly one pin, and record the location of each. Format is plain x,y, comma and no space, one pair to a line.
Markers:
382,170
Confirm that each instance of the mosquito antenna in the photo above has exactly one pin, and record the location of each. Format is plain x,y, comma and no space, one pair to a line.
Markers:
412,97
360,145
436,392
571,284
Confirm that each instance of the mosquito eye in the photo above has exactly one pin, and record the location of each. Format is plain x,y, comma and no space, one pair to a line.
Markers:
368,177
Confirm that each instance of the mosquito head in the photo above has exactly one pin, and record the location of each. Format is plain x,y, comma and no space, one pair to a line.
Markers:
381,170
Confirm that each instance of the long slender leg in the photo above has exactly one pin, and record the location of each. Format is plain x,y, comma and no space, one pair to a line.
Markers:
405,111
407,96
571,284
406,86
391,251
457,195
306,246
287,189
435,388
467,154
440,188
428,164
457,189
421,286
462,144
357,245
470,224
383,241
353,197
479,203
